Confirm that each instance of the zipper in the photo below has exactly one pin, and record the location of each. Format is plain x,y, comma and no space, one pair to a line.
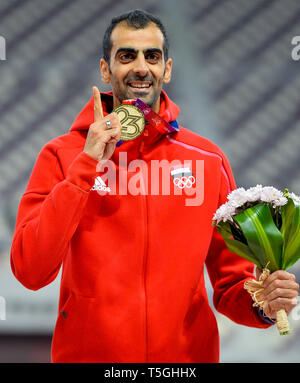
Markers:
144,274
145,255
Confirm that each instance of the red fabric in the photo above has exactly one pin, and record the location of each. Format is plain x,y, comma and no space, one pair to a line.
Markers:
132,287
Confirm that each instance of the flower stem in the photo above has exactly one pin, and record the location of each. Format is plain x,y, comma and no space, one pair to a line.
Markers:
282,322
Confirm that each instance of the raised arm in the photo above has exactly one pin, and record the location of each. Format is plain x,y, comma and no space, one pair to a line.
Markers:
52,205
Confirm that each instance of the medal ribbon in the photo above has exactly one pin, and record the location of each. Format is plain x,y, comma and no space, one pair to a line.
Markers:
152,117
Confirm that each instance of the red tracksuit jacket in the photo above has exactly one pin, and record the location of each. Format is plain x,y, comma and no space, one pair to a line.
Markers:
132,287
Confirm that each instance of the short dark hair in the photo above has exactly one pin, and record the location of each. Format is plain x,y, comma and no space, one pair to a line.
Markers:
137,19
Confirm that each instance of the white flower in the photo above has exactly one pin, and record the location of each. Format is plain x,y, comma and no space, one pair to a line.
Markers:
270,194
295,198
238,197
280,202
224,213
254,193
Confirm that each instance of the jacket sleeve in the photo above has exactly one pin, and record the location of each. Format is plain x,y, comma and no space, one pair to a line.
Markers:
228,271
48,215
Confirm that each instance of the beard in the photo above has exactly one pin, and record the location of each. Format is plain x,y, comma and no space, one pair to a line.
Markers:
122,91
149,99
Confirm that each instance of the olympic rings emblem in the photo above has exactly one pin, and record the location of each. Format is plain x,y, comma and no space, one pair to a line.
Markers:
184,181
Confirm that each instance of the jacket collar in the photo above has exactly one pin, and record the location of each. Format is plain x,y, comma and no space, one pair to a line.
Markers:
169,111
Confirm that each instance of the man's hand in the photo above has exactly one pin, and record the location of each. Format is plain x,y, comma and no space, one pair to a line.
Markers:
280,292
101,139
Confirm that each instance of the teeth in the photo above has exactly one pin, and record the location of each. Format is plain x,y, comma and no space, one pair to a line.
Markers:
139,85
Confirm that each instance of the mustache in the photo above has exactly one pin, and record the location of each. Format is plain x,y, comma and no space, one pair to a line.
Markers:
139,78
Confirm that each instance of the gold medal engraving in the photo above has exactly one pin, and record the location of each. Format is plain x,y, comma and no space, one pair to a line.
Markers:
132,121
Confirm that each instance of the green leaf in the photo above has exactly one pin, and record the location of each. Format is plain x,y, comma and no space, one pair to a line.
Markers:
263,237
224,229
291,236
235,246
242,250
287,213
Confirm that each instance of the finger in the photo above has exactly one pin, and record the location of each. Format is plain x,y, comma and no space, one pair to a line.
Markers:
111,121
116,136
281,293
279,284
108,123
112,118
111,135
268,312
281,303
102,126
279,274
98,111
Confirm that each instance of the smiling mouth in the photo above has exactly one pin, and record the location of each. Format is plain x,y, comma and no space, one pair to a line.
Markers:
140,85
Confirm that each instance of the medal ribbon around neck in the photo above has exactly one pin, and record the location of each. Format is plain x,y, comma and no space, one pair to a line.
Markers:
133,113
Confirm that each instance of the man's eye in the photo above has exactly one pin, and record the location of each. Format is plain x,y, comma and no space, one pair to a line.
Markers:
152,57
126,57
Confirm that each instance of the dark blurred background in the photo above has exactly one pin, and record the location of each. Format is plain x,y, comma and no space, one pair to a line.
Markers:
236,84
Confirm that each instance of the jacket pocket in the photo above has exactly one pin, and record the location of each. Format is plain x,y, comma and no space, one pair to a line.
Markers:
70,329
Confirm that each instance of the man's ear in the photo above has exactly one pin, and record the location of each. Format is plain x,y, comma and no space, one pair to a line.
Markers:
105,72
168,71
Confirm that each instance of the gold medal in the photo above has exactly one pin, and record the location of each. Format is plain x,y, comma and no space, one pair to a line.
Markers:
132,121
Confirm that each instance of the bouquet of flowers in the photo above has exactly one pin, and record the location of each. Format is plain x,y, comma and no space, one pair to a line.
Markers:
262,225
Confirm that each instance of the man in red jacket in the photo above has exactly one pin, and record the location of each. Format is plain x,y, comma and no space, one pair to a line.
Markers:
132,287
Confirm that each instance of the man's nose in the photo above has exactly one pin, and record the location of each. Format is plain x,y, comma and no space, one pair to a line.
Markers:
140,66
